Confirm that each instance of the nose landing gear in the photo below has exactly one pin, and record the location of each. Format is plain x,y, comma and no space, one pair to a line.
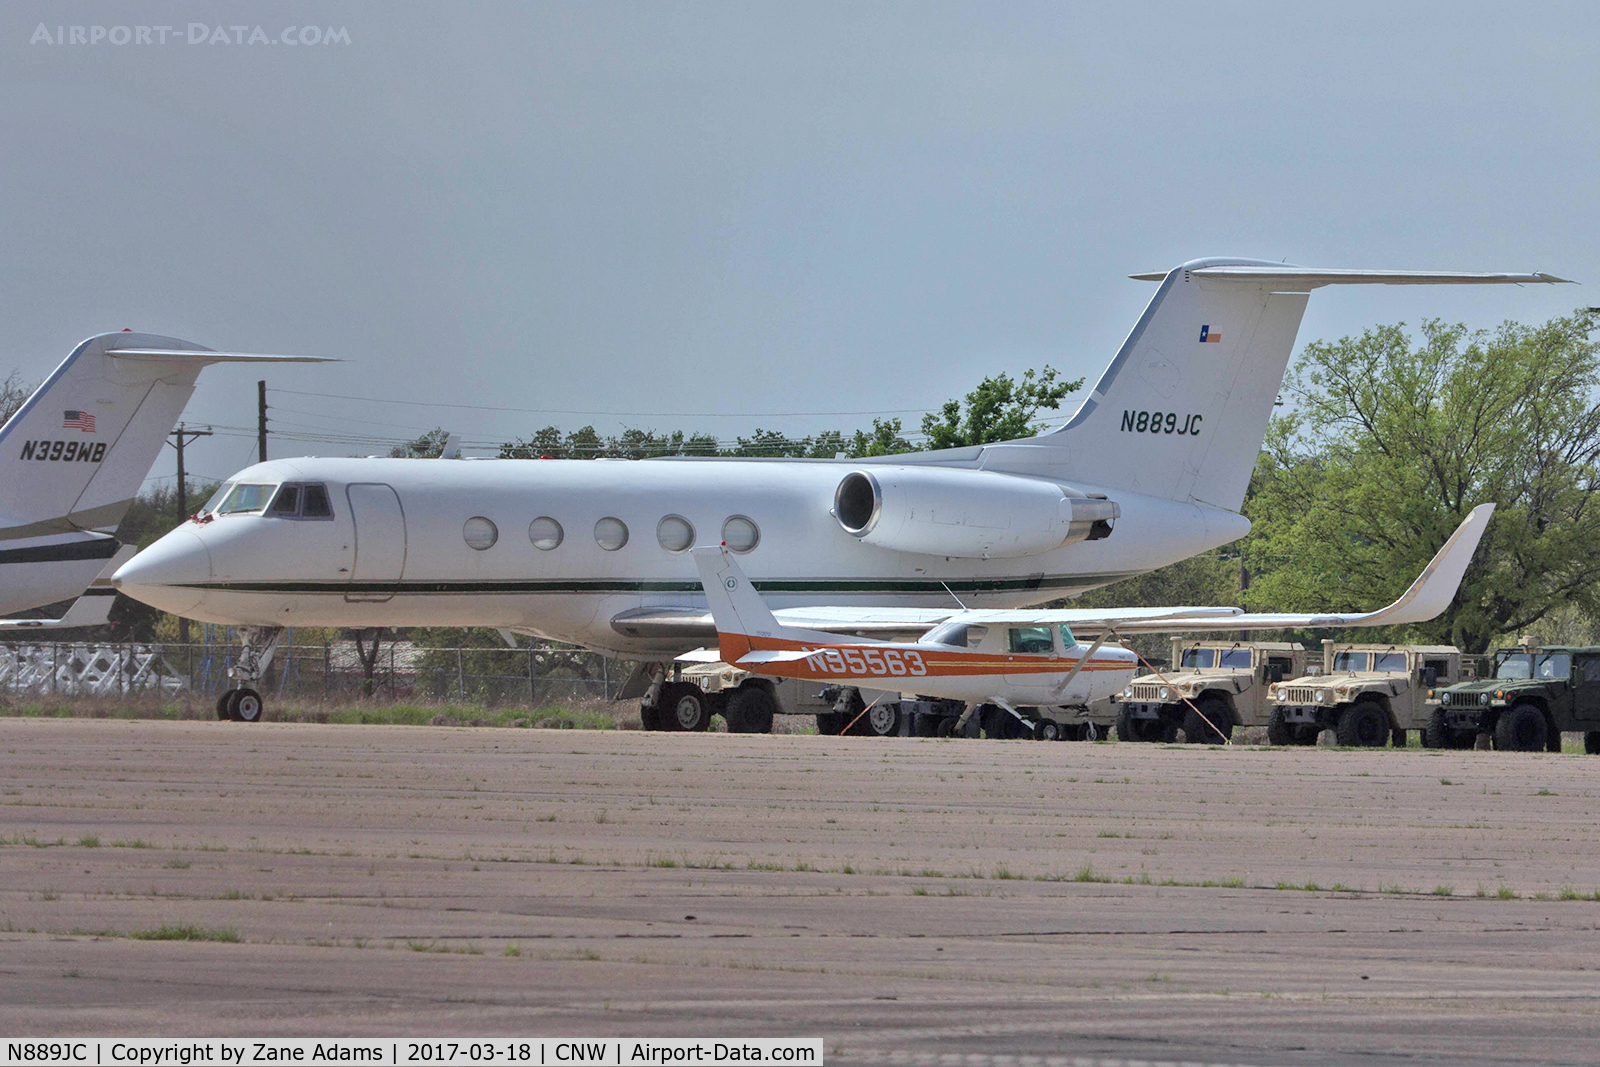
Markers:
243,703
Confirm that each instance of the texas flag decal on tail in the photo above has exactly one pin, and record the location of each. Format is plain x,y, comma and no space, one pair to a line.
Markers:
1207,337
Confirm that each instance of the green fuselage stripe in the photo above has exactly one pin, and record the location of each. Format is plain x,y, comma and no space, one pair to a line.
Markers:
861,587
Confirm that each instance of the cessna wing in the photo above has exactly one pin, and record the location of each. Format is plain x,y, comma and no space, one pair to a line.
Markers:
1425,599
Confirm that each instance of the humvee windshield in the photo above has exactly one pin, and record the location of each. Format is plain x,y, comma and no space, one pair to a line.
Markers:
1544,665
1350,661
1200,657
1235,657
1390,662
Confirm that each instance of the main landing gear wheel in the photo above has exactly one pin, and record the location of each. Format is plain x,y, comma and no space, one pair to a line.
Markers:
882,719
244,705
686,707
1047,730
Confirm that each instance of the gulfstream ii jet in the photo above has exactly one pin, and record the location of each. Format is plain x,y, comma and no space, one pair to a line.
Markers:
74,454
1150,469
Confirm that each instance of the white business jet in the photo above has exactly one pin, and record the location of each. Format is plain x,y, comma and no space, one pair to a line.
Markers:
1150,469
73,456
1008,657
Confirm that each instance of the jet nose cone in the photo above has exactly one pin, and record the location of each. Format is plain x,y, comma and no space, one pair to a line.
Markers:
167,575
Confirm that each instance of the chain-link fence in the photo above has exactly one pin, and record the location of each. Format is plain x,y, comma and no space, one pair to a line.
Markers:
331,672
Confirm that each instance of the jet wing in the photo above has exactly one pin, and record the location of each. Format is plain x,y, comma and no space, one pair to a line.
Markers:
1424,599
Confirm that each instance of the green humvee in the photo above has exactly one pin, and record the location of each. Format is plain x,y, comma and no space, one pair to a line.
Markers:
1535,694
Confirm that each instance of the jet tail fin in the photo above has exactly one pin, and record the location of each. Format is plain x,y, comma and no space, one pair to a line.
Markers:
74,455
1181,411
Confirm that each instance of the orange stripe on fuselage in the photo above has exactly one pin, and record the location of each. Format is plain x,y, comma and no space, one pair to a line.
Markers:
934,662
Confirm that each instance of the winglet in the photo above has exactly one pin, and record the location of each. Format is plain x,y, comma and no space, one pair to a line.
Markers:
1436,586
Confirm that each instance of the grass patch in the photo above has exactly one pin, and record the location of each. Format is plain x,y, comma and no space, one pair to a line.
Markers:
1087,873
1444,890
187,932
89,841
1505,892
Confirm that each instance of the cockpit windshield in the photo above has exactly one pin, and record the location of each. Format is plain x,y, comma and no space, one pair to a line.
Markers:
245,497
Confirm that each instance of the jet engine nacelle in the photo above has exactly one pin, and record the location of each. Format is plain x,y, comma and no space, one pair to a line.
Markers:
943,511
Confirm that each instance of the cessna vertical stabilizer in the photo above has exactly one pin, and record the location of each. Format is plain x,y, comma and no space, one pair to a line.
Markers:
1151,469
73,457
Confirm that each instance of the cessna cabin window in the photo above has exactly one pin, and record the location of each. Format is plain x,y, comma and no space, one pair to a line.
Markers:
1067,640
297,500
957,634
1031,639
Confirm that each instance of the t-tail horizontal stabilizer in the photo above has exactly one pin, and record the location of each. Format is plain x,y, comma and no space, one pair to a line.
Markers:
92,608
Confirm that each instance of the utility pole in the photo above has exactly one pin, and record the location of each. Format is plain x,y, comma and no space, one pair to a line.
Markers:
182,436
261,421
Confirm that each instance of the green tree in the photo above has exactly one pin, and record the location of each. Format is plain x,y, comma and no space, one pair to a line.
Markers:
429,446
1392,444
999,409
13,391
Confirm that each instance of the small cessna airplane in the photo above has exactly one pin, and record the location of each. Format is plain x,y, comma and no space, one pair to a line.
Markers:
1007,657
73,457
1150,469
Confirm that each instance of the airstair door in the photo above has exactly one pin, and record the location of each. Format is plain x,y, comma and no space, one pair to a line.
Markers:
380,524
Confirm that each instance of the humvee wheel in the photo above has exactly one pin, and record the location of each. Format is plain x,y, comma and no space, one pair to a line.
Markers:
1436,734
1278,730
829,723
750,710
1210,725
1521,729
1364,724
1591,742
1124,726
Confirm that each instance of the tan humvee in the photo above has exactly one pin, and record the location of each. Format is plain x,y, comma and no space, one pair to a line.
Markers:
1367,694
1223,682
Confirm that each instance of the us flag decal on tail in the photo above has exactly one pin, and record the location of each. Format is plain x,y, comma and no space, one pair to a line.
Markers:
78,420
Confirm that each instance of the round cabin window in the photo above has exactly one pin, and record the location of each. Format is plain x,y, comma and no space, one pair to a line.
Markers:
675,533
740,534
610,533
480,533
545,533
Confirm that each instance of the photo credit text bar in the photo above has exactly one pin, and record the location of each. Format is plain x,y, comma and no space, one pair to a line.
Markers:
433,1052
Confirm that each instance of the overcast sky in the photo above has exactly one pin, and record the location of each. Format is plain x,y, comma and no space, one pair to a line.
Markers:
747,209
